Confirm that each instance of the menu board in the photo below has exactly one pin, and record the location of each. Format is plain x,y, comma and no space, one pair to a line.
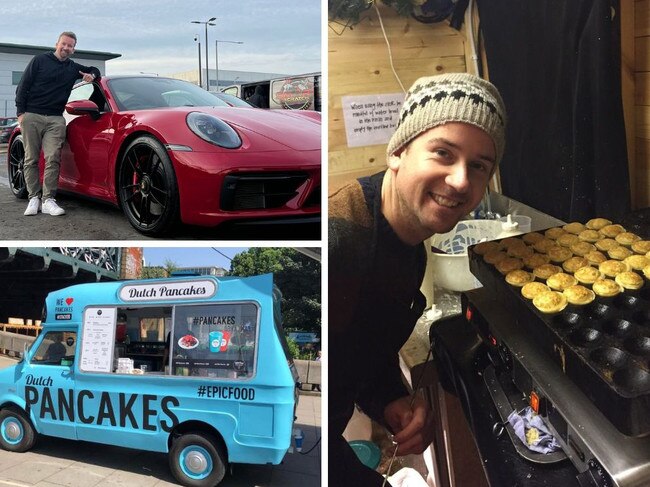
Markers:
98,340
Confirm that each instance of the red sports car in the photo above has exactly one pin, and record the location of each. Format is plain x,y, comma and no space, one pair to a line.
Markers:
165,151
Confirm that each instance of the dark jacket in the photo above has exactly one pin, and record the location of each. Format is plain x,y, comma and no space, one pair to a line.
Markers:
374,303
46,84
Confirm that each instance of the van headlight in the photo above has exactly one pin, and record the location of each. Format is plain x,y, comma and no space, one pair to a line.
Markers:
213,130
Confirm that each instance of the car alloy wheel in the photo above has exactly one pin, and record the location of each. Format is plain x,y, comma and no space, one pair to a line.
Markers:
147,187
15,168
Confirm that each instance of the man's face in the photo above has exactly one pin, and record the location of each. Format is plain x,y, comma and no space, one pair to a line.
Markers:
65,47
441,176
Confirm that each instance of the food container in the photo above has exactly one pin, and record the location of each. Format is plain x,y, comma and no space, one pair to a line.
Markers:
451,268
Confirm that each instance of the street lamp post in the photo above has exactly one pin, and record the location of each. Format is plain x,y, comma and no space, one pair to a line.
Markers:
207,73
216,57
196,39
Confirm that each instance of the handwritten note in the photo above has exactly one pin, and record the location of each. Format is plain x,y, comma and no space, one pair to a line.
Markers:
371,119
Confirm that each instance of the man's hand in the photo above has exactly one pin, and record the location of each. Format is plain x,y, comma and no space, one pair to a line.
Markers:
412,425
20,119
87,77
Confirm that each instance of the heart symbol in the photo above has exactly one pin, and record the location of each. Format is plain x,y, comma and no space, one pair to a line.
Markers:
69,301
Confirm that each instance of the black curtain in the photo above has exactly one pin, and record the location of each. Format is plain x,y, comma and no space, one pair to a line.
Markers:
557,66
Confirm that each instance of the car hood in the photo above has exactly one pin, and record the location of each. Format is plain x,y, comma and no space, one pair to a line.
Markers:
298,133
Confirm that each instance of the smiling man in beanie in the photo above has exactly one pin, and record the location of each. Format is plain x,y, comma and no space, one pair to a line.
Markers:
448,142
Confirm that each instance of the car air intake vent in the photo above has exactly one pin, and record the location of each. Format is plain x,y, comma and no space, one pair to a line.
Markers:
314,198
254,191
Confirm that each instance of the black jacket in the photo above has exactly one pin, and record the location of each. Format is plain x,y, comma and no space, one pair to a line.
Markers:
46,84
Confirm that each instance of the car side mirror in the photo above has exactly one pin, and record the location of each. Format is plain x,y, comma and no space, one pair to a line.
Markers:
83,107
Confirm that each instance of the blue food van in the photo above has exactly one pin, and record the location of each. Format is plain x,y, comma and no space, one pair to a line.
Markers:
194,367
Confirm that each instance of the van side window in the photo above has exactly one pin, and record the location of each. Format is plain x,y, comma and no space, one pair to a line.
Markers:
57,348
216,340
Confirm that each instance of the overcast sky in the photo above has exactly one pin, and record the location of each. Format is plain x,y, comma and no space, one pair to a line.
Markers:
156,36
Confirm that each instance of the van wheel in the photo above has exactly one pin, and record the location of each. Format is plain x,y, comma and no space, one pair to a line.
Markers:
195,460
16,431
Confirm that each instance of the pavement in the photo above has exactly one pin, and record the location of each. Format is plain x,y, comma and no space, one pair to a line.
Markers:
55,462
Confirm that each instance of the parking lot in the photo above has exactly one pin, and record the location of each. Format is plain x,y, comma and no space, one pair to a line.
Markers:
56,462
90,220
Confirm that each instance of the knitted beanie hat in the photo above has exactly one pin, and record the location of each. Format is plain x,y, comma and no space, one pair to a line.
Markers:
453,97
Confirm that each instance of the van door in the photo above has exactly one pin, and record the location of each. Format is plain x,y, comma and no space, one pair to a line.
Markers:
48,382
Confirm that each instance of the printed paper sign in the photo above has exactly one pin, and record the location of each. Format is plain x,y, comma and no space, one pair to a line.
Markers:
371,119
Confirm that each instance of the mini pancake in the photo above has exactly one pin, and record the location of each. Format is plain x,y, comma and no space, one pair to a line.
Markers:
611,231
532,289
587,275
589,236
581,248
619,253
543,246
579,295
612,267
606,243
597,223
533,237
574,263
559,254
554,233
494,256
574,228
519,278
509,264
627,238
637,262
545,271
536,260
629,280
595,257
646,271
550,302
560,281
567,240
483,248
506,243
641,246
606,288
520,251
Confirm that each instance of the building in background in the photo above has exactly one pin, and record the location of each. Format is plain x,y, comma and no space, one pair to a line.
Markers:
14,59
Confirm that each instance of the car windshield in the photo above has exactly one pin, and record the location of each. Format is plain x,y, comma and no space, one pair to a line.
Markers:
233,100
8,121
145,93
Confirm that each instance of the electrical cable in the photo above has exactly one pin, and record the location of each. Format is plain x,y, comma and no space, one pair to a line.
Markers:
309,451
390,54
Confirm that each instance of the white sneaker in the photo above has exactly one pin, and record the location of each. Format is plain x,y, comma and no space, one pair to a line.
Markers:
33,206
50,207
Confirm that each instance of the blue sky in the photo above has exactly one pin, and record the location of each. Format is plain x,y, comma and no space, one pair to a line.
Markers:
191,256
157,35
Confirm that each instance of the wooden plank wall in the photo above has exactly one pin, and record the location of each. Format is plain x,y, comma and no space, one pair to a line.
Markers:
641,170
359,65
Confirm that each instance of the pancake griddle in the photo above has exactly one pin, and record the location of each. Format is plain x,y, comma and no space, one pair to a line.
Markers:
603,347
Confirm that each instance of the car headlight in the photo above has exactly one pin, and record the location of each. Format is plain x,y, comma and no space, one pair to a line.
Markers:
213,130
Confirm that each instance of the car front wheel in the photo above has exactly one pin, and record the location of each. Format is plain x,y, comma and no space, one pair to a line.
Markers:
15,164
147,187
195,460
16,431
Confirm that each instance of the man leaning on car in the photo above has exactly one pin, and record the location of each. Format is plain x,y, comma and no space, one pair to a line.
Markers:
41,96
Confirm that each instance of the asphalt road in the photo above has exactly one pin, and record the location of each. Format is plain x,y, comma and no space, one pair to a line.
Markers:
90,220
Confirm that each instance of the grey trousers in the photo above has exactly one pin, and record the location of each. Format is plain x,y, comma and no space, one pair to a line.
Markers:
45,132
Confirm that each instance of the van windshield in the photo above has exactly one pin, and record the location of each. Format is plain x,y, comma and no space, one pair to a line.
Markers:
215,340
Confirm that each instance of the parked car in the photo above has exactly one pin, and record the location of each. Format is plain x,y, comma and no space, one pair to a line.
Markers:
6,130
167,151
4,121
